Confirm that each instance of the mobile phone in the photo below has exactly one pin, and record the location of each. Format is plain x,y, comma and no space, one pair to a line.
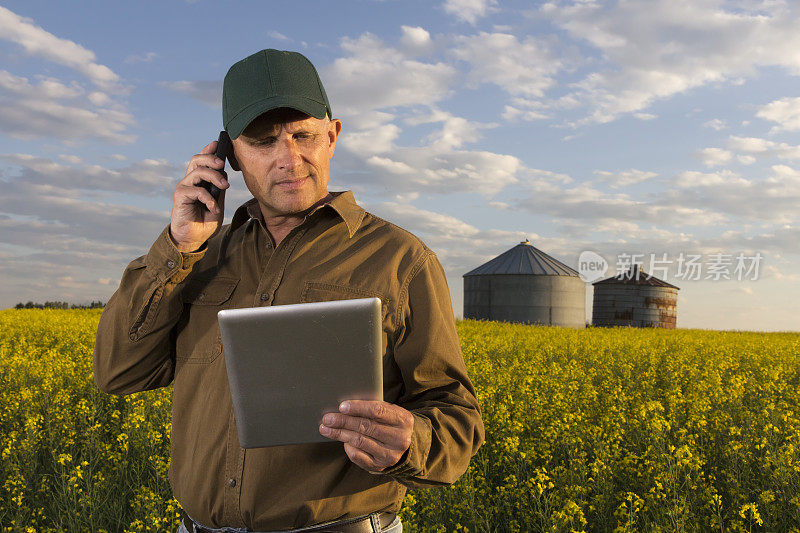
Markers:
223,151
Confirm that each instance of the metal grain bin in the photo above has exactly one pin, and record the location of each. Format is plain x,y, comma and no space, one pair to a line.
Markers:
526,285
635,298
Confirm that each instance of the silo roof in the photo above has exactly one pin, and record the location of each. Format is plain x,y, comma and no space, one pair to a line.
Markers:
523,258
630,277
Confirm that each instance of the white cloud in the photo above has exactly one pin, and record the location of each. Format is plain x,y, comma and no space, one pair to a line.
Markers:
460,246
141,58
38,42
455,131
549,176
375,76
99,99
67,259
208,92
393,167
45,107
416,40
610,234
580,202
148,177
626,178
376,87
50,108
47,88
59,232
786,112
691,178
72,215
277,36
69,158
438,167
469,10
755,146
525,110
369,133
716,124
437,170
785,176
775,241
712,157
429,222
780,274
653,49
772,199
521,68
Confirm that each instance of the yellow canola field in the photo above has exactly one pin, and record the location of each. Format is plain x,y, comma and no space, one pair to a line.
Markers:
587,430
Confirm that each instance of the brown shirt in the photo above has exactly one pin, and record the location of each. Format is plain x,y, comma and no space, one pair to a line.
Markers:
161,326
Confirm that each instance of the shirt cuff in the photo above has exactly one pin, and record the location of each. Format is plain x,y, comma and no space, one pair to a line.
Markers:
168,263
413,461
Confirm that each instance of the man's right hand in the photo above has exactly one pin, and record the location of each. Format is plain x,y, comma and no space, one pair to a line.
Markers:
191,224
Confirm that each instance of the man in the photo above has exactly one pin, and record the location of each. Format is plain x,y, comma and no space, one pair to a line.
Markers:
292,242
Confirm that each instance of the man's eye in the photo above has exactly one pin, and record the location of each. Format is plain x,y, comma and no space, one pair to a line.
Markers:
265,142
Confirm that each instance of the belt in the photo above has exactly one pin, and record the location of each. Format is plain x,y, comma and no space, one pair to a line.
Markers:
372,523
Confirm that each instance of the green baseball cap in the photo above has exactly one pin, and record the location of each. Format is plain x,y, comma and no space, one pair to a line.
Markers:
267,80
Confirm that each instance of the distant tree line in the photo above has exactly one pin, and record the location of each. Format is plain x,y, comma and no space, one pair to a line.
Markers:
59,305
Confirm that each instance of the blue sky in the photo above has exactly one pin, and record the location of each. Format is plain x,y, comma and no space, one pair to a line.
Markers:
634,127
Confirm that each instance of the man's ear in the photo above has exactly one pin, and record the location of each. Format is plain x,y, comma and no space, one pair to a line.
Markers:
334,129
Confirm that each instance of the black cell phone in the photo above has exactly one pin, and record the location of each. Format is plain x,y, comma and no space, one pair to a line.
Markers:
223,151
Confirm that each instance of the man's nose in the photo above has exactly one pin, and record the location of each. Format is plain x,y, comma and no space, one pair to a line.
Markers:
288,157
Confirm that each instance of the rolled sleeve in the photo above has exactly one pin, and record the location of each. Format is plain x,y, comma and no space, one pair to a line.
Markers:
448,429
414,459
133,350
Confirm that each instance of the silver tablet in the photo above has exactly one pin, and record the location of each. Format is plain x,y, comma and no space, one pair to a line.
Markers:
290,364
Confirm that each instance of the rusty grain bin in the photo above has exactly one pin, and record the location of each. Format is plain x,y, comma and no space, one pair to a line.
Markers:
634,298
526,285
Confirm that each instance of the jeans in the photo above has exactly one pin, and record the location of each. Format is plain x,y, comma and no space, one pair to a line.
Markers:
394,527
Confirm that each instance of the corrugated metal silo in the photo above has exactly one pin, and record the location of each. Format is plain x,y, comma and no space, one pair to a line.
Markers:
526,285
635,299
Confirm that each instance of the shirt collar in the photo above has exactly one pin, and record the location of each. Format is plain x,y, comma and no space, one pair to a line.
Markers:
343,203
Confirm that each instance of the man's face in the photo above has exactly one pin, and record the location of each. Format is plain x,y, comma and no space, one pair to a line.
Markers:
285,159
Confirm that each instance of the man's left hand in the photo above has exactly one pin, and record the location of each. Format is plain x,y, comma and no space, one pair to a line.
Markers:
375,434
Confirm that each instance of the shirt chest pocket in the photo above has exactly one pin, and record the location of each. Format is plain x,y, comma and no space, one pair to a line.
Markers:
315,291
198,339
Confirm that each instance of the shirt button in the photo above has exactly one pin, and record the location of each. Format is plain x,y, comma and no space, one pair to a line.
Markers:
264,296
231,482
170,264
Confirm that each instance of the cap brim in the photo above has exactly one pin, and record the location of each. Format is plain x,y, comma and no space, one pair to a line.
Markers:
238,123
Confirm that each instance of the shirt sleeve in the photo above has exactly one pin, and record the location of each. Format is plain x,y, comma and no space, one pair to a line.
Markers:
448,429
134,350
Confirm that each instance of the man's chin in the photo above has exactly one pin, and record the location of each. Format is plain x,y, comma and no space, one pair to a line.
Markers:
297,206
